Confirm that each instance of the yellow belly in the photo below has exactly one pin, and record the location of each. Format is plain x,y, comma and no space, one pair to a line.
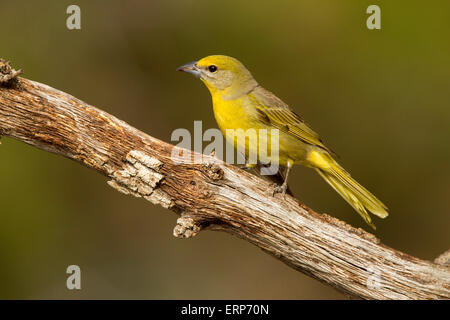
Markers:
253,137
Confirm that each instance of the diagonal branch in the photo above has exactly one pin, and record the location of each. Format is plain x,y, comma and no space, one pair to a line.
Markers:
216,196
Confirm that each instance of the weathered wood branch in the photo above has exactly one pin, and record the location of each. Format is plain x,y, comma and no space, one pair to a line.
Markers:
216,196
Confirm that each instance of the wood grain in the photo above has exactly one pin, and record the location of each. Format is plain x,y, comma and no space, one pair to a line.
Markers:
216,196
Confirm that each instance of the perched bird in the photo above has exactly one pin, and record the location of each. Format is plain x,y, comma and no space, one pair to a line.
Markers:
239,102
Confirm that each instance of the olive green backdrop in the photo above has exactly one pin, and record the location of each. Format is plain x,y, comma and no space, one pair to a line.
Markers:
379,98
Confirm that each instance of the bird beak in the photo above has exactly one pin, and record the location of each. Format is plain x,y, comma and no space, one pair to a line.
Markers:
190,68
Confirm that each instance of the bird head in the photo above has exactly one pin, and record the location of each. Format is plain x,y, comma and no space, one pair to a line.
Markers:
224,76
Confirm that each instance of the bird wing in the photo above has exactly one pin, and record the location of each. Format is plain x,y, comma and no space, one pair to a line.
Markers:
273,111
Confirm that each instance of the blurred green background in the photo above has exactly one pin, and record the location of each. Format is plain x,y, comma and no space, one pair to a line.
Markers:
379,98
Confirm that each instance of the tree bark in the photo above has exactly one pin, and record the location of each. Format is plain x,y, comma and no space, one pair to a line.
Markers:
216,196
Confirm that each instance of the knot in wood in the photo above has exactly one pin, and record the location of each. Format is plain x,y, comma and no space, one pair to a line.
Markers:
186,228
8,76
213,171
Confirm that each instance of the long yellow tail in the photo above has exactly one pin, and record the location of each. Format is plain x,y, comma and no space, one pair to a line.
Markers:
354,193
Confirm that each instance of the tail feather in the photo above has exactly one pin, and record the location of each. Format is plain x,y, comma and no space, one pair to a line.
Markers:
354,193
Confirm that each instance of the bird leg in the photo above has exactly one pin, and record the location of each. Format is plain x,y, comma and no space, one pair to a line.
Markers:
282,189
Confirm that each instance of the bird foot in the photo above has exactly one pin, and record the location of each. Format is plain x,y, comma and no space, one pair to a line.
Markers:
279,189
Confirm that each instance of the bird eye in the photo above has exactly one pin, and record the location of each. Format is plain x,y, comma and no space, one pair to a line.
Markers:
212,68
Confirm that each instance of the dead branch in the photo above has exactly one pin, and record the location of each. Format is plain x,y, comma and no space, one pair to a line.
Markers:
215,195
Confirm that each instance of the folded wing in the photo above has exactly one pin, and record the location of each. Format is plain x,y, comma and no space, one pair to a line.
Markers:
278,114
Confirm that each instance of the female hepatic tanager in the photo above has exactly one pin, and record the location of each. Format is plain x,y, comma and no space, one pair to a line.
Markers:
240,104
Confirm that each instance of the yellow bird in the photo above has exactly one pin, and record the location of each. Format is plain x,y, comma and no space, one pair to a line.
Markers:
240,103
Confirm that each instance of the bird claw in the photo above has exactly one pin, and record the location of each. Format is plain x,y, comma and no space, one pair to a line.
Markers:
279,189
